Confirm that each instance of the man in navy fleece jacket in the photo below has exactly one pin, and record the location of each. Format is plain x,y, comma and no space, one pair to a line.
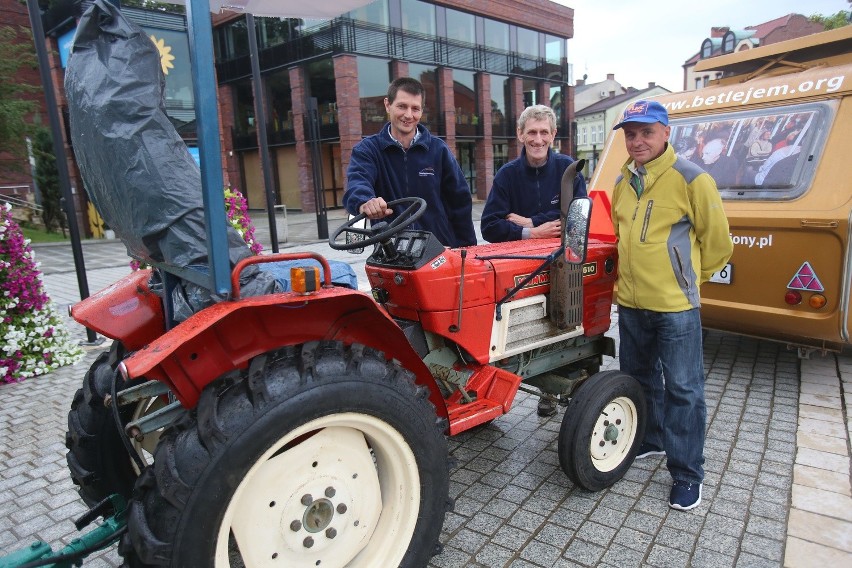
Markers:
524,199
405,160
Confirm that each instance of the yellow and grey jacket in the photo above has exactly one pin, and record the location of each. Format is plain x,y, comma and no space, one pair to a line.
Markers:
671,238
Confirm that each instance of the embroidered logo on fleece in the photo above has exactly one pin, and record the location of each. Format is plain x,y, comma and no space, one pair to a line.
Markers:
430,171
555,200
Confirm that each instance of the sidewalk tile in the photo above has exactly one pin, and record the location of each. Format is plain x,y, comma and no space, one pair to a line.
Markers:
822,427
803,554
822,443
820,529
822,479
822,502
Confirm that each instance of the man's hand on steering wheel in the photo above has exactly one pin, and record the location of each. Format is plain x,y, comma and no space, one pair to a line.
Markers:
375,208
413,209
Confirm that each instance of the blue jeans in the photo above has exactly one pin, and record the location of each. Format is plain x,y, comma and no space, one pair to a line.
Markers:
663,351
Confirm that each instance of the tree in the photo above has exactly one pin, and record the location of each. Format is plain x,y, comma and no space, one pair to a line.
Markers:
47,179
834,21
15,108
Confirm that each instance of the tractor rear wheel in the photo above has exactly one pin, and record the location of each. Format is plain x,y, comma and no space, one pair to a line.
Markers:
317,455
602,429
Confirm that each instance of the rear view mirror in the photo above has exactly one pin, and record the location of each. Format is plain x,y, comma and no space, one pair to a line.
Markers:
576,227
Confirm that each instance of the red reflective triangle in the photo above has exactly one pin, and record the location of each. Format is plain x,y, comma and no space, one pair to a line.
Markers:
806,279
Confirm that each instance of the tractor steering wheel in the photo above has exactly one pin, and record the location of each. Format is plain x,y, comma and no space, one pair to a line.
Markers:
413,211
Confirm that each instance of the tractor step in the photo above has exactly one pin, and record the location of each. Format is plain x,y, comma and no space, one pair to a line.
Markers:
495,390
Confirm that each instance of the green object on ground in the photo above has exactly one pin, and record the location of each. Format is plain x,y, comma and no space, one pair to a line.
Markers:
41,236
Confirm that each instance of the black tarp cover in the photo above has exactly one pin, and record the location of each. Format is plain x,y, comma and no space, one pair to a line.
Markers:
136,169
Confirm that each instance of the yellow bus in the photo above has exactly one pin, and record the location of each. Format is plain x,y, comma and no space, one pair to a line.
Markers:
775,132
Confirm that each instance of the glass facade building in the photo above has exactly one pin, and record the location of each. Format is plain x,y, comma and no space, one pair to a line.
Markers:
480,68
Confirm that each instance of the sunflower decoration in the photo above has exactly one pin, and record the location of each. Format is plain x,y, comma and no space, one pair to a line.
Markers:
166,56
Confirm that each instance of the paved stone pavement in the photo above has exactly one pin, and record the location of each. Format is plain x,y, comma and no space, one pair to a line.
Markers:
777,487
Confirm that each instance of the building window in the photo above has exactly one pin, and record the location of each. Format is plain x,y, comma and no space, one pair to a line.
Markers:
305,26
500,117
461,26
583,137
428,76
465,151
373,79
728,43
557,106
244,108
322,86
706,49
501,155
374,13
418,17
232,40
496,35
280,102
527,42
464,95
272,31
698,82
554,49
600,133
530,90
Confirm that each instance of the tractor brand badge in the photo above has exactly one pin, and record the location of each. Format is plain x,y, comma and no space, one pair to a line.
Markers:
806,279
438,262
541,279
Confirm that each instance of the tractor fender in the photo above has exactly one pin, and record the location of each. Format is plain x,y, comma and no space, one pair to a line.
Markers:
127,311
227,335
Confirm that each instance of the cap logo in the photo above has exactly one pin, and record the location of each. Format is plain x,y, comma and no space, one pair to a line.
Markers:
636,109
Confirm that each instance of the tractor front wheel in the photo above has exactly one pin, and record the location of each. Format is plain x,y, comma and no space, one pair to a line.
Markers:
318,455
602,429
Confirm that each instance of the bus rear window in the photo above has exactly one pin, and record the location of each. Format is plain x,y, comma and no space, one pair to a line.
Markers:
768,154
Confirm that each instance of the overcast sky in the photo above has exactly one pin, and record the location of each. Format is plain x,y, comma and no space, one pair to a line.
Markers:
650,40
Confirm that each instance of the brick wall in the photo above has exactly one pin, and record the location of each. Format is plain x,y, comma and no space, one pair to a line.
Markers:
447,98
348,106
484,150
303,158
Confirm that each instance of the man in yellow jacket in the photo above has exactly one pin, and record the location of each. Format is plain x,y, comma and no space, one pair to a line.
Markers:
672,235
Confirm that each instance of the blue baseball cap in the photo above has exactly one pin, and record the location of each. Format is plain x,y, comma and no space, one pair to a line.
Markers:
644,111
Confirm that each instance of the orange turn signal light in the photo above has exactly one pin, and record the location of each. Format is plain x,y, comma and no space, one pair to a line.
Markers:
817,301
305,279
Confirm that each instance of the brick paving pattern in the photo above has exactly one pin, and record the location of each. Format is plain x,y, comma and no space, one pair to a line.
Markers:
776,492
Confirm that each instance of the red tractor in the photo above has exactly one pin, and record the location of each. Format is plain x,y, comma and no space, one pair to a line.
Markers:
309,426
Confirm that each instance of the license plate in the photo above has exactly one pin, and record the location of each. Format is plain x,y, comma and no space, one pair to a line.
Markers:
722,276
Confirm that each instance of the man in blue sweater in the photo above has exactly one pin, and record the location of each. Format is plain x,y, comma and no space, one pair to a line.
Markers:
405,160
524,199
